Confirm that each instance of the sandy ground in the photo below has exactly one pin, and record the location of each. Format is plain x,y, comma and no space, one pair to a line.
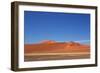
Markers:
55,56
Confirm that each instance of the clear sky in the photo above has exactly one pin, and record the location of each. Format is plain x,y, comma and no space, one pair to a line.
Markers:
61,27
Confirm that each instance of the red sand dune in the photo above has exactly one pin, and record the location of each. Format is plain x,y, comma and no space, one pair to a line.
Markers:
49,46
47,42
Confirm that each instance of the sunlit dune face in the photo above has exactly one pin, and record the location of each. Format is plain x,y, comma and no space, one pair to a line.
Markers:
47,42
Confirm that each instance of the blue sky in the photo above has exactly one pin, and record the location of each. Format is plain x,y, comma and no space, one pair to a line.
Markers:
61,27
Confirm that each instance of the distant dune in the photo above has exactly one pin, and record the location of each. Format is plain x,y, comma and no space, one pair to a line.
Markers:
47,42
56,48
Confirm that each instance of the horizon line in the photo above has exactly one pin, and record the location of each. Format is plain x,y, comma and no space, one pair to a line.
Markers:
80,41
